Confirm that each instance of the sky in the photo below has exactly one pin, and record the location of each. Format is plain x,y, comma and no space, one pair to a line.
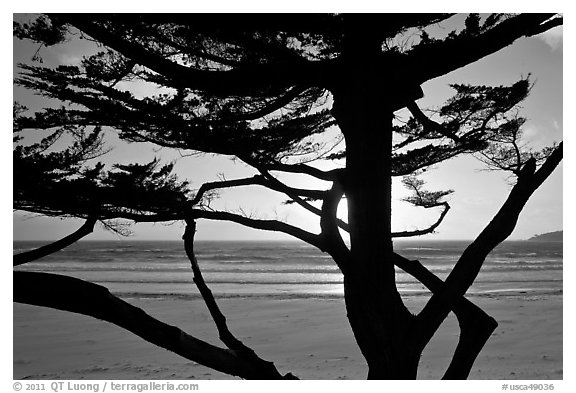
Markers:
477,193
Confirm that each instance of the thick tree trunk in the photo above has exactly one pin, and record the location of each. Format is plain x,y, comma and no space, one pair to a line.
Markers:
380,321
380,324
378,317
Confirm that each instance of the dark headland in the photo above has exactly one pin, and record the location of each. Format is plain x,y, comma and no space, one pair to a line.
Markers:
548,237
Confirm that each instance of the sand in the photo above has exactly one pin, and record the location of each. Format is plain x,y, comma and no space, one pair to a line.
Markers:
310,338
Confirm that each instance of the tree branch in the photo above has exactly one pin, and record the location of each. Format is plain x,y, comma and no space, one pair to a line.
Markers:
265,180
235,345
476,326
190,213
32,255
266,225
219,319
140,217
429,124
451,54
270,107
468,266
273,183
240,80
82,297
431,228
550,24
249,181
329,224
279,186
306,170
346,227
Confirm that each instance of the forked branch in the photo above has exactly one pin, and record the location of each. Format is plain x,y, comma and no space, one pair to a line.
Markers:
476,326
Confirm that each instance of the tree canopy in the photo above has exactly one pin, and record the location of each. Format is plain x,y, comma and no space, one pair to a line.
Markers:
279,92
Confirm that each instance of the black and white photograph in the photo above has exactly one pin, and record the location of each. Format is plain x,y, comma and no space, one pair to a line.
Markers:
287,196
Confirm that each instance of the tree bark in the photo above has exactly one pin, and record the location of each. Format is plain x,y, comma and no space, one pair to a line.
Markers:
375,309
363,109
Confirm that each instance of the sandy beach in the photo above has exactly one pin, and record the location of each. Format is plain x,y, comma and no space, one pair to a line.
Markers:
310,338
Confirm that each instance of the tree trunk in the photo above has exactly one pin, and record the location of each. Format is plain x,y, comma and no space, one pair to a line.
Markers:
380,324
379,319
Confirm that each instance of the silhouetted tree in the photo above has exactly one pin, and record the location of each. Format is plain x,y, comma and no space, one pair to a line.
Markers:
266,89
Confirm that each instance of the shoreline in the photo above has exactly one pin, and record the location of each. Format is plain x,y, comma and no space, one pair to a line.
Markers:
308,337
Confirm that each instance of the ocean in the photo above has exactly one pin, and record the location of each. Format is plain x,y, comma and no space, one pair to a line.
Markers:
287,270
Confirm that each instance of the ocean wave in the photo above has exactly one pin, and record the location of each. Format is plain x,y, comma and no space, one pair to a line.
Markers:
523,262
526,294
299,282
287,271
296,282
420,249
519,254
238,281
180,269
488,268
